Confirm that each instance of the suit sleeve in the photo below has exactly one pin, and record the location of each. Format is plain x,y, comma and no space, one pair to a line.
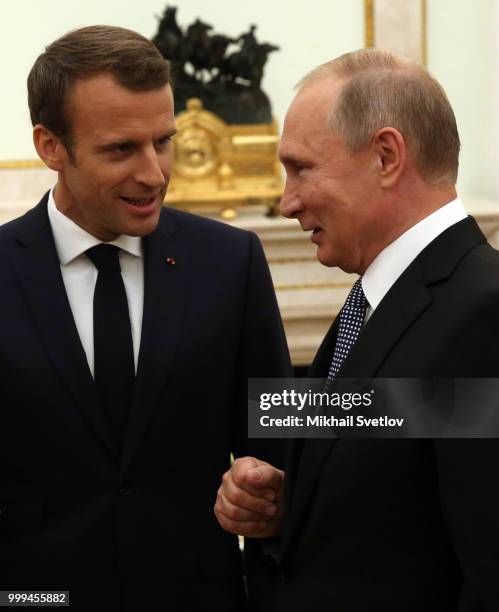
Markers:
468,469
263,353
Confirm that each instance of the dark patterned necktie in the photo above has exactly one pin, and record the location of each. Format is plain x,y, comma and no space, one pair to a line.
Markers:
352,317
114,368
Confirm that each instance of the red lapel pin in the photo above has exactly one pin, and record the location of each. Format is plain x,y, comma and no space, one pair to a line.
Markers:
170,261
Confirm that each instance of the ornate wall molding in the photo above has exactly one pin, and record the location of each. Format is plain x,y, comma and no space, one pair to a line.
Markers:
400,26
21,164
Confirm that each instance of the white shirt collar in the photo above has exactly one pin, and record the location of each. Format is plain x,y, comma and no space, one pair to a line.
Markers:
396,257
71,240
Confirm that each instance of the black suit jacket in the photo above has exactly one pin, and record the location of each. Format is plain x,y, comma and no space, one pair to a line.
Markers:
134,531
394,525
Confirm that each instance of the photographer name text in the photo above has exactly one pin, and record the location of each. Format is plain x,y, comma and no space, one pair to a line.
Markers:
329,421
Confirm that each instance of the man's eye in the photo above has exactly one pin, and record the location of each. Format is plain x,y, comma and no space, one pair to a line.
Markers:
163,142
122,148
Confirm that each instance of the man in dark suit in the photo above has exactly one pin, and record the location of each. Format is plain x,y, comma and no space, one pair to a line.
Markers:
127,334
370,147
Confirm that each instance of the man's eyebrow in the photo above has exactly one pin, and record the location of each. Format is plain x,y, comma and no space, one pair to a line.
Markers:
127,142
115,143
168,134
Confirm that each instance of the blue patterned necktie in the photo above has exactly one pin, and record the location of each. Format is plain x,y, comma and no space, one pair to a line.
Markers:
352,317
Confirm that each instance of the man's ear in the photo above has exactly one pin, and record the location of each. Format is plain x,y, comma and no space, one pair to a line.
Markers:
390,149
50,148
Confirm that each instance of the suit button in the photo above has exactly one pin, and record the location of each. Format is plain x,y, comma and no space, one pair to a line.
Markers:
2,512
125,490
284,577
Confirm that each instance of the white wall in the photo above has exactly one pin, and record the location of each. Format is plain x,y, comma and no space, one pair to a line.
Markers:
308,33
461,54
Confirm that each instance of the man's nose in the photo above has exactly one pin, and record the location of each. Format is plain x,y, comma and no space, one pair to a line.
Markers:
290,204
152,170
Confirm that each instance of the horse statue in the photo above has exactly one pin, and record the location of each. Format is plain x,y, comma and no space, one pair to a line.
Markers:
169,35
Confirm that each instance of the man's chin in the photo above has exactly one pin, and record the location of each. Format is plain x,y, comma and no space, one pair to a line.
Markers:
142,227
332,260
326,258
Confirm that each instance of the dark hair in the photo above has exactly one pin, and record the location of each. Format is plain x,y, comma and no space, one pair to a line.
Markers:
131,58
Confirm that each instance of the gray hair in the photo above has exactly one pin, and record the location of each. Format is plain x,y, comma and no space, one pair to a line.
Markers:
384,90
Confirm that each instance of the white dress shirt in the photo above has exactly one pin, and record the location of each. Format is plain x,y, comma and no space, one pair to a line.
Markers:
80,275
389,264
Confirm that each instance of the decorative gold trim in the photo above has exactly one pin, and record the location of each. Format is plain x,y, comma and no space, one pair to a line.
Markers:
369,23
424,32
256,139
21,164
219,166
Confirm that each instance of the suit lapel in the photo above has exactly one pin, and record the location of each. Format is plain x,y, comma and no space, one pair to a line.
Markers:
400,307
165,294
38,272
407,299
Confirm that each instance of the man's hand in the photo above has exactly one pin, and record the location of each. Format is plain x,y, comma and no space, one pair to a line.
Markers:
249,500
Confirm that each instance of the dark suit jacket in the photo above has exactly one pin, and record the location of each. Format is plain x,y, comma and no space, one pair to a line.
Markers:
393,525
132,532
